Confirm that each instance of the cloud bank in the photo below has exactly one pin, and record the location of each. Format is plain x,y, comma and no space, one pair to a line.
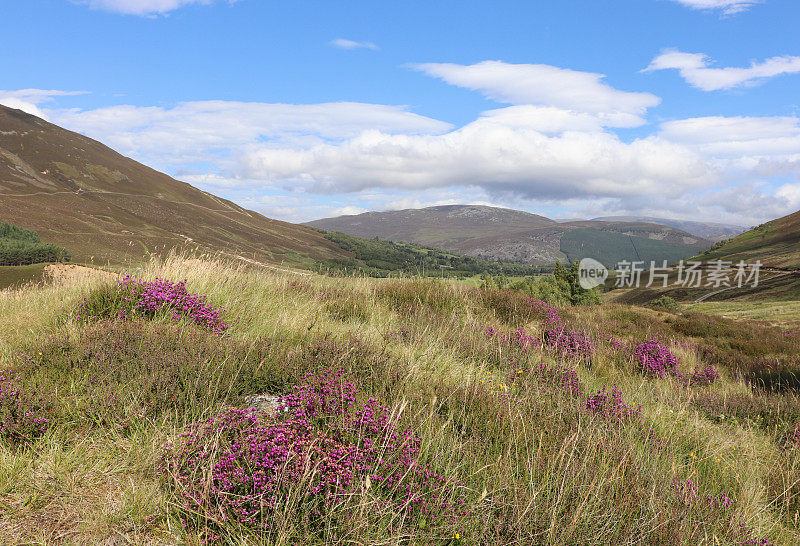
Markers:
540,84
553,147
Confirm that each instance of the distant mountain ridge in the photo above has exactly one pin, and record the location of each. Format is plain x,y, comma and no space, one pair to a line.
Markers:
711,231
506,234
98,204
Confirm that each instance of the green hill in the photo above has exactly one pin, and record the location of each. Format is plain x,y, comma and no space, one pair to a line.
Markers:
610,248
382,258
776,243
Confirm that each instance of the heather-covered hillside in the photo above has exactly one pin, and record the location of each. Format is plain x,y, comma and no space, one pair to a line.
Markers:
257,407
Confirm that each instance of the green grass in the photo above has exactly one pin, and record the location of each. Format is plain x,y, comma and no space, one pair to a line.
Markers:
774,312
534,466
17,275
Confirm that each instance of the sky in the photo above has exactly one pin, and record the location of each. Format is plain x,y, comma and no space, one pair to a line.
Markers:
684,109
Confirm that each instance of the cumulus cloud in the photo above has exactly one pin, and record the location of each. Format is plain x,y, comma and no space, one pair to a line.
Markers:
28,100
728,7
517,159
541,84
745,148
554,147
343,43
791,194
695,69
143,7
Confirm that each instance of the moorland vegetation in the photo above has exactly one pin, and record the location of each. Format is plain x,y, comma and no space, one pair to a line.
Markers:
391,411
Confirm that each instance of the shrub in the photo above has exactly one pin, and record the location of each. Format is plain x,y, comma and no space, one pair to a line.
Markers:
702,376
310,465
20,246
666,303
560,288
564,341
150,299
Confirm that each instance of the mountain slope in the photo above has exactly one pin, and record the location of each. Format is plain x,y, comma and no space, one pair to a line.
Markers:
84,196
706,230
776,244
504,234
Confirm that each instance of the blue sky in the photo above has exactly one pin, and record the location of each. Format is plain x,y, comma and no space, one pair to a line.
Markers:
576,108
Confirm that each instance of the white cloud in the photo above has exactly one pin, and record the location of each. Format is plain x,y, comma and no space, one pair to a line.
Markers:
209,131
143,7
28,100
728,7
516,159
745,140
791,194
343,43
541,84
746,148
25,106
557,153
552,120
694,68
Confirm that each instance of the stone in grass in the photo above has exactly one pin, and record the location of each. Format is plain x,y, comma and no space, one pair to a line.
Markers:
262,402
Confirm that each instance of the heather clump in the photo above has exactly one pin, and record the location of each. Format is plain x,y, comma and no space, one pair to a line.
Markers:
610,405
22,417
133,298
702,376
564,341
655,359
320,458
569,343
558,377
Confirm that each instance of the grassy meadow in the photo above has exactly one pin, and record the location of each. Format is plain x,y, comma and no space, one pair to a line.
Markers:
423,412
